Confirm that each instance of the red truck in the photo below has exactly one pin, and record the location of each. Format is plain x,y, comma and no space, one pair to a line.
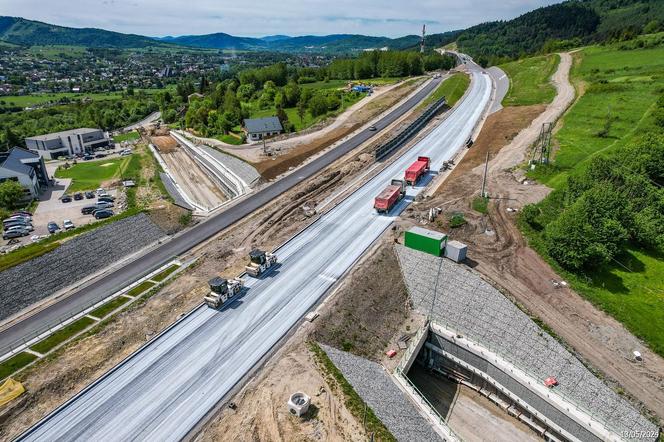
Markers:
417,170
391,195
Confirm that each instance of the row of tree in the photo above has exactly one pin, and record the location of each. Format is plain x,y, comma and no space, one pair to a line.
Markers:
616,201
106,114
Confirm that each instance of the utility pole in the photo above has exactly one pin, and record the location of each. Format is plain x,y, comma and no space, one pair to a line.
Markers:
486,168
424,27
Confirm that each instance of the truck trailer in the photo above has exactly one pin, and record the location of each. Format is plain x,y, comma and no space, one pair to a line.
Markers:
391,195
417,170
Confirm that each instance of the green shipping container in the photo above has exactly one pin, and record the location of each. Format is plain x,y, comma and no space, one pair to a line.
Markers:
426,241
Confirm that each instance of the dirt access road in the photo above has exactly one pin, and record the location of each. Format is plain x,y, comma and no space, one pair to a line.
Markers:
504,257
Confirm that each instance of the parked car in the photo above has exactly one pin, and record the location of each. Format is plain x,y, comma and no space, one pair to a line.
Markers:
87,210
6,224
89,195
66,199
100,191
78,196
22,213
52,227
103,205
125,152
20,217
27,227
14,234
100,155
105,213
68,225
88,157
106,198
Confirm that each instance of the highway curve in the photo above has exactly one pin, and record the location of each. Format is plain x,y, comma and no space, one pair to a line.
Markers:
143,265
162,391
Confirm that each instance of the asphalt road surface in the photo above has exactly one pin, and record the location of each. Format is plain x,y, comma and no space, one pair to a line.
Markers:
124,276
162,391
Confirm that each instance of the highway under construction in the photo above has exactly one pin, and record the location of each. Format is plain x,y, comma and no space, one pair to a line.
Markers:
166,388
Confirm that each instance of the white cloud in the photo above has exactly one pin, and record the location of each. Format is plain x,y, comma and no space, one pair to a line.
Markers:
265,17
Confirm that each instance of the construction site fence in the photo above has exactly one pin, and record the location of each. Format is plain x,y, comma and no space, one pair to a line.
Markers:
413,128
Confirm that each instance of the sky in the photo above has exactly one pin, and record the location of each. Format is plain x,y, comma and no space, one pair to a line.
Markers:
391,18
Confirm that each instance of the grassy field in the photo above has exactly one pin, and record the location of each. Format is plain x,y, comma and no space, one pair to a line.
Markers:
230,139
452,89
620,90
14,363
529,80
338,84
62,335
110,306
129,136
308,119
37,99
140,288
165,273
89,175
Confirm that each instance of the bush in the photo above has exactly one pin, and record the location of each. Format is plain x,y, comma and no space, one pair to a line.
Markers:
457,220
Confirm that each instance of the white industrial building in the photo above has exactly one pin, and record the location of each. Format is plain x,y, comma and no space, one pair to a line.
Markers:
25,167
69,142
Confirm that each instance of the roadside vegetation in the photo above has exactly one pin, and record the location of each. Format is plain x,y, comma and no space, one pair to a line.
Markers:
452,89
602,227
529,80
299,97
128,136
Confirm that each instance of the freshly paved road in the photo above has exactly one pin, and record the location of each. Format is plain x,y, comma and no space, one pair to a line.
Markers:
162,391
124,276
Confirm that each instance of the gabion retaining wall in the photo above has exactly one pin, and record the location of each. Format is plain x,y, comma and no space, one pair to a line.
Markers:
75,259
390,404
458,298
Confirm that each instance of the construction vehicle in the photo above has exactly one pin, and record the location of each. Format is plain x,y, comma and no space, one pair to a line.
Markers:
417,170
391,195
260,262
221,290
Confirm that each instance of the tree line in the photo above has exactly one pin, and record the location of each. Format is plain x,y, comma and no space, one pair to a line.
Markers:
617,200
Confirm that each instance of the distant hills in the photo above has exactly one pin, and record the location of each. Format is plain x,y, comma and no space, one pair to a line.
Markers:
24,32
284,43
559,26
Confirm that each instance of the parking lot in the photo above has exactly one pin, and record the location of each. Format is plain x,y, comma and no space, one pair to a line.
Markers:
50,208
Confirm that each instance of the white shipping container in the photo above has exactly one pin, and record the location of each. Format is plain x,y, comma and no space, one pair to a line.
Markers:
455,250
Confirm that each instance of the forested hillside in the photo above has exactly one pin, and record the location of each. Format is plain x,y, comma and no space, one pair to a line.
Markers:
560,26
28,33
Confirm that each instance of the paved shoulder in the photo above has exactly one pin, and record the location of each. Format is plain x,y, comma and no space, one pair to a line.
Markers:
502,83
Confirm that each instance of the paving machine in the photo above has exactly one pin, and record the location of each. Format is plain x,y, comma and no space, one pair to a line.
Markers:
260,262
221,290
